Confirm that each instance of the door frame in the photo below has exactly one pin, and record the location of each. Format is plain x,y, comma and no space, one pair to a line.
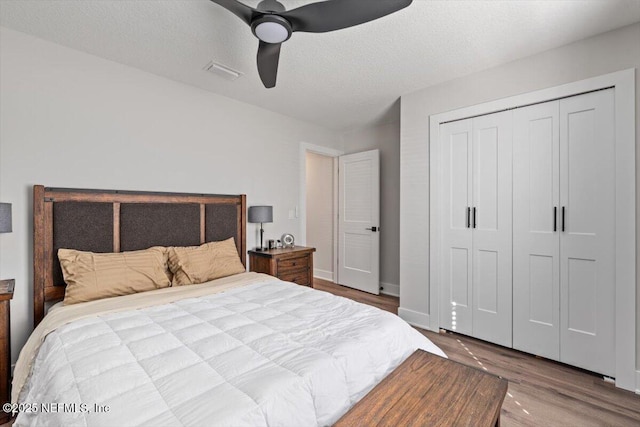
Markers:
302,196
623,83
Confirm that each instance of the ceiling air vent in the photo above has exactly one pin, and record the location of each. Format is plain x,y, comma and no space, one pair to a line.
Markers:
222,71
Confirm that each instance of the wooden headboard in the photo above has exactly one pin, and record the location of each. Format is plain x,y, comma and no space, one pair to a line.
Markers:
115,221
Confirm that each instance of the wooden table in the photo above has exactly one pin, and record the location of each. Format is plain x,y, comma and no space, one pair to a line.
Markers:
428,390
289,264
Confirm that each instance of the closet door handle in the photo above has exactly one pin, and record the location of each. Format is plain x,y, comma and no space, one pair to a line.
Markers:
468,217
474,217
563,219
555,218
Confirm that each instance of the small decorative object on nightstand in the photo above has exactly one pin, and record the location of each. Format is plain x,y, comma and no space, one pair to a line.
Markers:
288,241
289,264
6,293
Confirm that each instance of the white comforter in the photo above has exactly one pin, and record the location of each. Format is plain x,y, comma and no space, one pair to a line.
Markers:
271,353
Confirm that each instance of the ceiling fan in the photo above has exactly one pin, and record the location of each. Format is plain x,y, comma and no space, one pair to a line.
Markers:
272,24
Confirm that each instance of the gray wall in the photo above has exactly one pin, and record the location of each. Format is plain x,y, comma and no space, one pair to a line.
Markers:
612,51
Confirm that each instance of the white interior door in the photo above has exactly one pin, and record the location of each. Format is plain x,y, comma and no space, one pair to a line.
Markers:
359,221
456,239
536,234
491,225
587,242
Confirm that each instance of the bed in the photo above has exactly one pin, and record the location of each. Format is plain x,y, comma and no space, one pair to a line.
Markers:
246,349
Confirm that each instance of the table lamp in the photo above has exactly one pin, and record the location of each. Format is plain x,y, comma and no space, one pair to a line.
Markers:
5,218
260,214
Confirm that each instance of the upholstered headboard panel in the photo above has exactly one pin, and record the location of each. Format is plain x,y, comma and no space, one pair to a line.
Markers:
115,221
143,225
86,226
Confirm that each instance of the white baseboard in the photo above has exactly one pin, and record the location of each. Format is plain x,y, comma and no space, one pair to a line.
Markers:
415,318
323,274
390,289
637,382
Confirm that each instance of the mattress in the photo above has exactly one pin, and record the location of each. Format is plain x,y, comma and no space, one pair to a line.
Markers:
265,353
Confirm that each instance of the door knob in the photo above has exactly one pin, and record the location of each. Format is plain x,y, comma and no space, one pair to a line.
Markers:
374,229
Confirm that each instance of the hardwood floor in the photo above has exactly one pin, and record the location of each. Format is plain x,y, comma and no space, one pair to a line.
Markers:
541,392
384,302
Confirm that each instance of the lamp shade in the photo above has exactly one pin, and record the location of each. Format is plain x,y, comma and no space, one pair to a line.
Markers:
260,214
5,218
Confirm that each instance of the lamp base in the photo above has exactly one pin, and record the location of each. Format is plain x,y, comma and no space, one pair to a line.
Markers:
258,249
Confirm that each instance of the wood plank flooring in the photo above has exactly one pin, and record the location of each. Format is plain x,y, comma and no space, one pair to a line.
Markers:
541,392
384,302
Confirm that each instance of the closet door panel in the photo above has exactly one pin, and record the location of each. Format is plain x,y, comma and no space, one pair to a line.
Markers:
536,236
492,227
456,249
587,244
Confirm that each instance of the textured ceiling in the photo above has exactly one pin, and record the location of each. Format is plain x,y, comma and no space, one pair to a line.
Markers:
340,80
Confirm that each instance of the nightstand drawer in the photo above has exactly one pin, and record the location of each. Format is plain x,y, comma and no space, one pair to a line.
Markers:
300,277
289,265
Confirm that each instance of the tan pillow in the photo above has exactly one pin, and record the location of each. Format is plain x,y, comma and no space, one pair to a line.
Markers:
198,264
91,276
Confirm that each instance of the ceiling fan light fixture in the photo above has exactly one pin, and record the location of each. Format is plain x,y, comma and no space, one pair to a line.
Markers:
271,29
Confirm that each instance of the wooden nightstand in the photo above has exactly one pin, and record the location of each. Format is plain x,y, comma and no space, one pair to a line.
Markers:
6,293
288,264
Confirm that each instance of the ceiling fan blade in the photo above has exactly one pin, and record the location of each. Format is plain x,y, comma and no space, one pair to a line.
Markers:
268,57
241,10
333,15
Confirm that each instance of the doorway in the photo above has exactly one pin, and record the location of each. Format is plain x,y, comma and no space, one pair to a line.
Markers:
320,217
322,268
339,198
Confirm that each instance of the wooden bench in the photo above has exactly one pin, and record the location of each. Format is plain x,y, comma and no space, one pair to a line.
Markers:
428,390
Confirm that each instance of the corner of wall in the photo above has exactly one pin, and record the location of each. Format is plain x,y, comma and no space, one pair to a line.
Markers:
415,318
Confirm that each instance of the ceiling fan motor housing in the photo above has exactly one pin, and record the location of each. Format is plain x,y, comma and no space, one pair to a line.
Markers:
271,28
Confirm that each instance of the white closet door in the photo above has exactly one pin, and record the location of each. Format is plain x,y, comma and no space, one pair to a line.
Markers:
536,236
492,229
587,243
455,250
